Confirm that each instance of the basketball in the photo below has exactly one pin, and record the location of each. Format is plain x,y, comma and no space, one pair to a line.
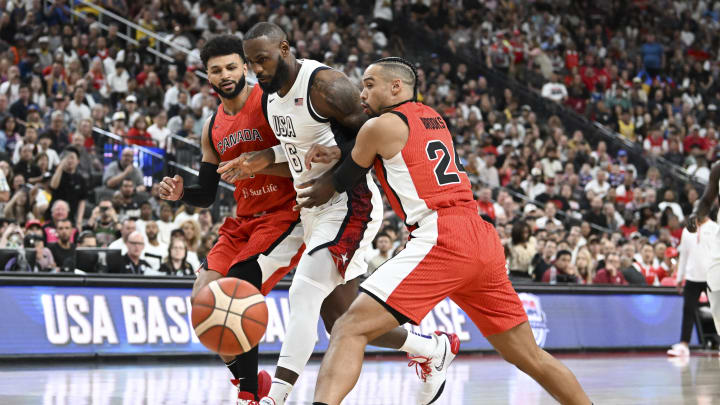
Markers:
229,316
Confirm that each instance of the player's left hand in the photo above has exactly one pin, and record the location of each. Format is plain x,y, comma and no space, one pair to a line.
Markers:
322,154
320,191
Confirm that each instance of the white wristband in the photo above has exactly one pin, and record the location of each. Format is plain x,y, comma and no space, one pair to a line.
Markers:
279,152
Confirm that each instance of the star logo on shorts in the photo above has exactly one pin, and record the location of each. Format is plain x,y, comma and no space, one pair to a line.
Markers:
340,260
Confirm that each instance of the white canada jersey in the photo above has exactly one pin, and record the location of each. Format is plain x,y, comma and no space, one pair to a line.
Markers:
297,126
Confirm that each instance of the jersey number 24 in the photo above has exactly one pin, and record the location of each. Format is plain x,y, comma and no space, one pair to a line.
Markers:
442,174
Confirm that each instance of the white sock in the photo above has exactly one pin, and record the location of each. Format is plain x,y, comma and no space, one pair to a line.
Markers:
419,345
279,391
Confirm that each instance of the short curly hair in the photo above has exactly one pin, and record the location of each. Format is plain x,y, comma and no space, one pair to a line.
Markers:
221,45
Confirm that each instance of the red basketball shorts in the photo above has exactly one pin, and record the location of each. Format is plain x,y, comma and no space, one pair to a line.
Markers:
274,239
453,253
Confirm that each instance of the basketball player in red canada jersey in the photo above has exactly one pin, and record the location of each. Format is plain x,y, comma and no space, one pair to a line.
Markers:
264,241
452,251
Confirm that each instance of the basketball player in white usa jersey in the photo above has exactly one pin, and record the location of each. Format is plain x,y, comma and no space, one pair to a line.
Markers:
702,211
315,113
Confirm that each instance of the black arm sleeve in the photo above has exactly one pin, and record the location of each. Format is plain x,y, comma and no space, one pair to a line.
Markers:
348,174
203,193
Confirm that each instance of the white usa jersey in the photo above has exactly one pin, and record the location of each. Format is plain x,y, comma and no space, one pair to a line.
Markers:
297,126
347,224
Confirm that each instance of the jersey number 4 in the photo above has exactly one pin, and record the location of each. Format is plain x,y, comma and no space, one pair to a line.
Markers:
443,176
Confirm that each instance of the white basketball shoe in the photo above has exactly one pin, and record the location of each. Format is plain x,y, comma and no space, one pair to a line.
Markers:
433,370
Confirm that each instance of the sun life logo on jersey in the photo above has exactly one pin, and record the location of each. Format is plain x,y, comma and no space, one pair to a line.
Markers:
536,317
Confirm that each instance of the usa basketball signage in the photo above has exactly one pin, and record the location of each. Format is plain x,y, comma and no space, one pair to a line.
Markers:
536,317
97,321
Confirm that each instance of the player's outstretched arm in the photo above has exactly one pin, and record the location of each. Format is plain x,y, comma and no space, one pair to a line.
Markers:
334,96
203,193
385,136
702,210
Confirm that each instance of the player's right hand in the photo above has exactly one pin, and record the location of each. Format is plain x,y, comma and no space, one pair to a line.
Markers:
245,165
171,189
692,223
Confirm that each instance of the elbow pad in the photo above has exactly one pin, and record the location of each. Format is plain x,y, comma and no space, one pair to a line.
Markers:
203,193
348,174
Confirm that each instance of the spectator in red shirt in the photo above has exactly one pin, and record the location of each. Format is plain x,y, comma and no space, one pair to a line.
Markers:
611,274
670,264
138,134
695,139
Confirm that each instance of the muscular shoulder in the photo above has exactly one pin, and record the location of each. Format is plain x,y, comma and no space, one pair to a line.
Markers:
388,131
333,95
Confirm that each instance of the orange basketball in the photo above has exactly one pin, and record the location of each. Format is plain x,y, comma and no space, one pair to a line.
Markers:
229,316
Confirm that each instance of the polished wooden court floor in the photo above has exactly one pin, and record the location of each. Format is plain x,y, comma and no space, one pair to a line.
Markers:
608,378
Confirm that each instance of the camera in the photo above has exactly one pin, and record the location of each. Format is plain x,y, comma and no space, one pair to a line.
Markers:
104,209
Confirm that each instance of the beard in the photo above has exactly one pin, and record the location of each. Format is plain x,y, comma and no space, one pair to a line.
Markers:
282,75
239,85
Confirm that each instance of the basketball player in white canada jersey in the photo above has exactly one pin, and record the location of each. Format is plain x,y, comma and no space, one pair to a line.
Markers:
315,113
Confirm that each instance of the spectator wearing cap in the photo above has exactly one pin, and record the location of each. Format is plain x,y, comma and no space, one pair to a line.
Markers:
534,185
131,108
670,265
68,184
121,169
118,125
45,57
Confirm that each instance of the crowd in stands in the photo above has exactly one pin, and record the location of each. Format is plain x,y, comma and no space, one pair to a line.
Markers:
566,210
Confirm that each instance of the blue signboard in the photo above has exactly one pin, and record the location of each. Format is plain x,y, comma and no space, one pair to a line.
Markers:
104,320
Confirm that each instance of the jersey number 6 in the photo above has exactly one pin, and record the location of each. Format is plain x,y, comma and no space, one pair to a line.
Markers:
293,158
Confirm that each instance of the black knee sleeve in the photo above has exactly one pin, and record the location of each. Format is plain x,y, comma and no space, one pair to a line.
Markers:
249,271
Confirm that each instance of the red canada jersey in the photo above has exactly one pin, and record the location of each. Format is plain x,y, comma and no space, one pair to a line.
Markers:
249,131
426,175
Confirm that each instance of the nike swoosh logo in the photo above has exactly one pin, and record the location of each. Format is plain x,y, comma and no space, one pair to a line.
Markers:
271,100
442,364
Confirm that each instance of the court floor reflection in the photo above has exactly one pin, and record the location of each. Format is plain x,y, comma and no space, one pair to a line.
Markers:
609,379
